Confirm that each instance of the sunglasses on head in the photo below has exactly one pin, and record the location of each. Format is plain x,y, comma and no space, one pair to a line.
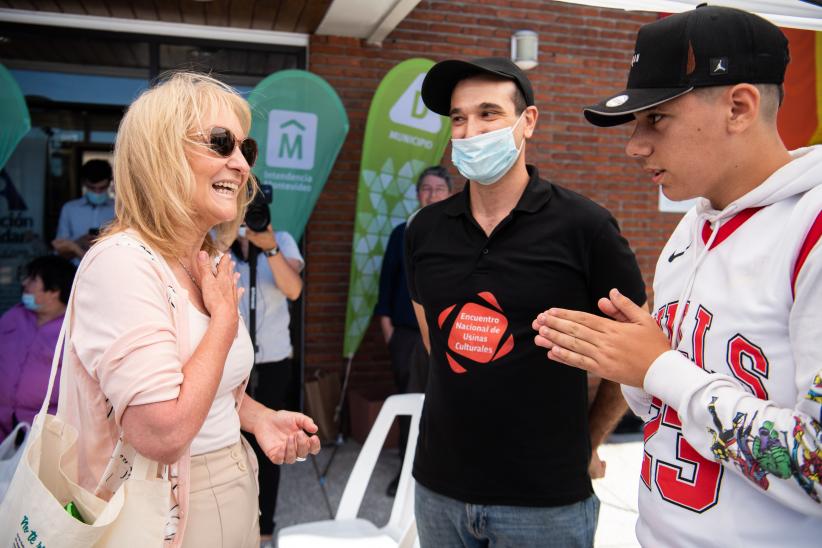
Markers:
222,141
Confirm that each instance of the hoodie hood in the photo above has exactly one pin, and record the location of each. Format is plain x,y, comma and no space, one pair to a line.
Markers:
801,174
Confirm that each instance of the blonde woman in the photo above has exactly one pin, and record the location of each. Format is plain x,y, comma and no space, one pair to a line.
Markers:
158,356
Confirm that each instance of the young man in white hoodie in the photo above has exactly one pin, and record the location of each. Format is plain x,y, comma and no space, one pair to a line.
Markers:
730,388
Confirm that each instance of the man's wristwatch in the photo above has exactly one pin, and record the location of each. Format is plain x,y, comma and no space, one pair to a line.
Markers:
271,252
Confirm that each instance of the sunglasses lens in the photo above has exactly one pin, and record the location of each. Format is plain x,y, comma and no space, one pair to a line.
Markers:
248,148
222,141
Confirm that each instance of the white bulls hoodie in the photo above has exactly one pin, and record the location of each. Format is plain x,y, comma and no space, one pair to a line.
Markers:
733,442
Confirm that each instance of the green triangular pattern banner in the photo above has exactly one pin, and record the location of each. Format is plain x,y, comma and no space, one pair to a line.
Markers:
402,137
14,113
300,125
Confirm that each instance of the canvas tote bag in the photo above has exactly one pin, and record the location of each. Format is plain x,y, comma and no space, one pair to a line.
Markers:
33,514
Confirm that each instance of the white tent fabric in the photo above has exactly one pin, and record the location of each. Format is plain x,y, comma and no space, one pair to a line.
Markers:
797,14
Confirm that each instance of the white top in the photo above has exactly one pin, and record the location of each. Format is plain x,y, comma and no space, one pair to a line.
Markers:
222,425
273,337
733,441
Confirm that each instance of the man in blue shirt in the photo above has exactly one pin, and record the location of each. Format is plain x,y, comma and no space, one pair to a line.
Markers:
81,219
397,320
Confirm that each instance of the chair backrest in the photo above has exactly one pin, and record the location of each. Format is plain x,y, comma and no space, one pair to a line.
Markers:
403,509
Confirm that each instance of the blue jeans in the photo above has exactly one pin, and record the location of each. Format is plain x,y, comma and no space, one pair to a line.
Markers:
444,522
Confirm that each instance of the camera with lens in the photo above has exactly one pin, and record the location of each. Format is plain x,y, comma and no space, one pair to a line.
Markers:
258,216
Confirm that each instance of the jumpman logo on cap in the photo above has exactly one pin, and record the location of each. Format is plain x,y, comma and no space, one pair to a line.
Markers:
720,65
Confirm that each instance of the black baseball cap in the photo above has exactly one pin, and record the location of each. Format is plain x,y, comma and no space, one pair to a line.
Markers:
443,77
704,47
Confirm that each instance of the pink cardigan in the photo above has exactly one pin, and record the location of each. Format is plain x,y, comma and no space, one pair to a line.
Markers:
127,342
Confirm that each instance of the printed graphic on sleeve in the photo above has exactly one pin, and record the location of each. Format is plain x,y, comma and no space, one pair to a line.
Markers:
814,397
768,452
475,333
732,444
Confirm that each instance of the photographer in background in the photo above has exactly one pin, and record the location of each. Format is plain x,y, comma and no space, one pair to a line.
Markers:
81,219
276,263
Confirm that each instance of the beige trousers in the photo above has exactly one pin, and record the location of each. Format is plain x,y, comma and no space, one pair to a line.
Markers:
223,509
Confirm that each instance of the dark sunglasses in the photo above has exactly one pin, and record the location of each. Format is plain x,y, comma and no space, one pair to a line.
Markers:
222,141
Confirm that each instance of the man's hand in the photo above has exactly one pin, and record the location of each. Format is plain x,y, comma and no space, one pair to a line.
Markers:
85,241
596,468
282,436
387,327
67,248
621,350
264,240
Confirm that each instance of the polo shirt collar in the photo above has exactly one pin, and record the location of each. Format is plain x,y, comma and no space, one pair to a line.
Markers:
534,197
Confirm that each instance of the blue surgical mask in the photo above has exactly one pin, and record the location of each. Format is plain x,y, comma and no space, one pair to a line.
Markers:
97,198
29,302
486,157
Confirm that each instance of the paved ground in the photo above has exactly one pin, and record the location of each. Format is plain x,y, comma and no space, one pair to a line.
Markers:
301,496
617,491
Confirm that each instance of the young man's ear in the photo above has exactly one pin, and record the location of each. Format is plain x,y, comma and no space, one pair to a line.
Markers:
744,102
530,120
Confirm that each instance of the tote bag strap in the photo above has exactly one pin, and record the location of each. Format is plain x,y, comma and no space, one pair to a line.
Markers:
143,468
60,349
125,463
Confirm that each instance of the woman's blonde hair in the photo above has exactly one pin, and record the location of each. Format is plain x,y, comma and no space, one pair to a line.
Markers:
154,183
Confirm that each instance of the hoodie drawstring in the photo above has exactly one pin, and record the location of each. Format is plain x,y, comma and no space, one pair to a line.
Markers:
689,285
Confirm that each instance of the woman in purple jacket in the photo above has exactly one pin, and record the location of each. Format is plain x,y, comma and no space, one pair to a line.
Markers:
28,334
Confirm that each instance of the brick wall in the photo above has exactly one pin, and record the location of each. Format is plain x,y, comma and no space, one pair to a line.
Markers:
583,55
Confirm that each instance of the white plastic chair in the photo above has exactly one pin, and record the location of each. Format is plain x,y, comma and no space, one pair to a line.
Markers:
346,530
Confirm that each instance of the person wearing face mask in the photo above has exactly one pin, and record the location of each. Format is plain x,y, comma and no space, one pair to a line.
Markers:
506,436
81,219
28,335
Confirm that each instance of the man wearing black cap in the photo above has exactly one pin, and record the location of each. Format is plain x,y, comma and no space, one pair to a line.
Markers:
731,387
505,438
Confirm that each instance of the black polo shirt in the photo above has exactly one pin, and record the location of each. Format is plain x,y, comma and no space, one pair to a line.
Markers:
503,424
